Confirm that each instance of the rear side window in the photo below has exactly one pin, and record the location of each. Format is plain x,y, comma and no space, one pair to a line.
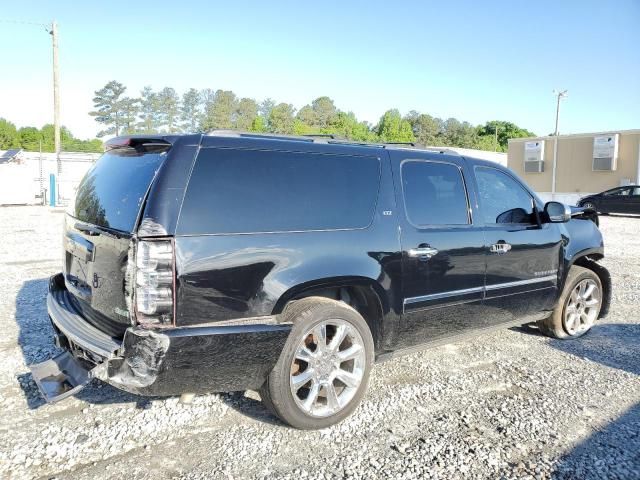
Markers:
112,191
250,191
434,193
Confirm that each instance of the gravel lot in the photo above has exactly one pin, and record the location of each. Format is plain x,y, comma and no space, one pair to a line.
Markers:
511,404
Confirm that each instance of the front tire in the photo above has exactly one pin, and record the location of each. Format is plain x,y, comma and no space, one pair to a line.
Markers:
323,371
577,308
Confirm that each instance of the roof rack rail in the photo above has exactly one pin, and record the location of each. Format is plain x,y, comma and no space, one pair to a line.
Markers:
271,136
411,144
443,150
332,136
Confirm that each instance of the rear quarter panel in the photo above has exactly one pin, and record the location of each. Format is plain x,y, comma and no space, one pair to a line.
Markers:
223,277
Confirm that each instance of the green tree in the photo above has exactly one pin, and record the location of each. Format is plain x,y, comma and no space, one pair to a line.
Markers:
346,125
459,134
281,118
301,128
48,134
108,107
246,113
307,116
426,129
506,130
265,110
8,135
220,111
191,110
77,145
362,132
149,115
324,111
30,138
487,142
393,128
130,108
169,109
258,125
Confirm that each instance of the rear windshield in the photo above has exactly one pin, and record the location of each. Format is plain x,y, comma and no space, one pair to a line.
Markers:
249,191
112,191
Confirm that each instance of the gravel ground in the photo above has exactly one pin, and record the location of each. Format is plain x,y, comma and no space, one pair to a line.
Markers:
511,404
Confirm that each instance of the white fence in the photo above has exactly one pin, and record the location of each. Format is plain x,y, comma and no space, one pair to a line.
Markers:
24,180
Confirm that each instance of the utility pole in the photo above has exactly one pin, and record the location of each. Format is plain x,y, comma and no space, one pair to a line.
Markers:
560,94
495,143
56,104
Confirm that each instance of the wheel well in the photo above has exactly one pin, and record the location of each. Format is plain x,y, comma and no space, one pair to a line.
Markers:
360,297
590,262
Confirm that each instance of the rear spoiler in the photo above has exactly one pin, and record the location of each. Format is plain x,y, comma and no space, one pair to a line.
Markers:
137,141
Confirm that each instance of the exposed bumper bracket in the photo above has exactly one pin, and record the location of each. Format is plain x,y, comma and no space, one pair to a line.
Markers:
60,377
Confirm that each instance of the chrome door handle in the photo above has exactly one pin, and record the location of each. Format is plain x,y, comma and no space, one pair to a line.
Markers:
499,248
423,253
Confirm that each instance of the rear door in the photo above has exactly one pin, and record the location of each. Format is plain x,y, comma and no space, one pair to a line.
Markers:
443,250
523,255
98,232
616,200
633,205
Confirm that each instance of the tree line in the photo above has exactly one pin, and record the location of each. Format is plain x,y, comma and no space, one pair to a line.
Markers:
31,138
166,111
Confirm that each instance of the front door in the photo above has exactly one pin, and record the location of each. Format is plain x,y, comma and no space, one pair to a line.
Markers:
443,250
523,255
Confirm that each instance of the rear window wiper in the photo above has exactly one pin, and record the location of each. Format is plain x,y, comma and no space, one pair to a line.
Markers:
96,230
89,230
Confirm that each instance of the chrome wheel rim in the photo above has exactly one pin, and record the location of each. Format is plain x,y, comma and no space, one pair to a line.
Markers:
583,307
327,368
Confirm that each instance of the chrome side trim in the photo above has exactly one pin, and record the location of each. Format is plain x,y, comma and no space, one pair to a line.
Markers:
465,291
519,283
437,296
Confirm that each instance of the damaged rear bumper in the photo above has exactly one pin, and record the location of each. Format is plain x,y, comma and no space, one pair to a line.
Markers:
196,359
155,362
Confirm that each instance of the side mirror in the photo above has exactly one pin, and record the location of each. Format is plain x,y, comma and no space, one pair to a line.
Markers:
557,212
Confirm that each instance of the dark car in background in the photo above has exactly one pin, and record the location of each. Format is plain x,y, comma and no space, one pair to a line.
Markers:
288,265
616,200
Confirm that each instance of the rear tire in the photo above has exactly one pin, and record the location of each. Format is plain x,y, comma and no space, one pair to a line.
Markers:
577,308
323,370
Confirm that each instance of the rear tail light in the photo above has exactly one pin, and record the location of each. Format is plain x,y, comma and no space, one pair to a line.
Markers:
154,283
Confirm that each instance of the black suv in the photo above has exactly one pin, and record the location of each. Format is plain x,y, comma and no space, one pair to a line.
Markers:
289,265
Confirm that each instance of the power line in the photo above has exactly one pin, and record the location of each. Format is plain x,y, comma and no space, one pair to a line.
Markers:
24,22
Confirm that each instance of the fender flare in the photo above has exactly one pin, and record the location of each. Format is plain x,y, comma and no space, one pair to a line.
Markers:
588,258
333,282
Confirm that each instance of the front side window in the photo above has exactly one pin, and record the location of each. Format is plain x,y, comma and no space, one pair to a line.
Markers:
434,193
502,198
253,191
